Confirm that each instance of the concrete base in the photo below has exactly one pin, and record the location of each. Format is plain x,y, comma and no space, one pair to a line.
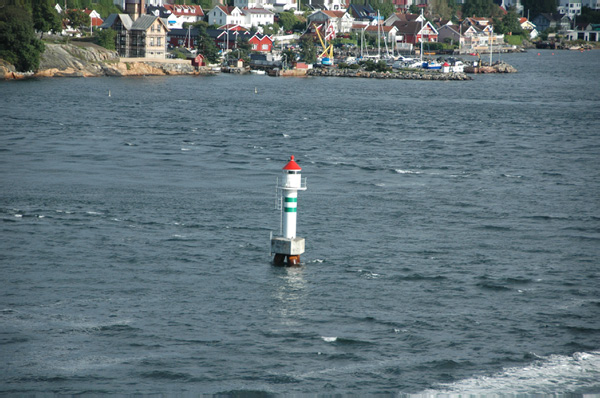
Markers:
290,247
287,251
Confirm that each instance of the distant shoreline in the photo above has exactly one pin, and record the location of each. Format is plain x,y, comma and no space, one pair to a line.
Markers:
90,60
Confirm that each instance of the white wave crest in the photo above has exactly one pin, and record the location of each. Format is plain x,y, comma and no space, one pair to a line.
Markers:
400,171
329,339
550,375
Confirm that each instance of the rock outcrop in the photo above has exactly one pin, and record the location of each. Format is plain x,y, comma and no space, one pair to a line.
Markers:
90,60
498,67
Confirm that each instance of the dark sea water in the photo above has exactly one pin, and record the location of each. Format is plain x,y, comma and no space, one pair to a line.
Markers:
452,232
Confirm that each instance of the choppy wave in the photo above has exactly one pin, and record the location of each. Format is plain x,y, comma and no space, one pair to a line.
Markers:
555,374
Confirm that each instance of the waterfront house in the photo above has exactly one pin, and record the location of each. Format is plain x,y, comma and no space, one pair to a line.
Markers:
341,20
476,39
144,37
526,24
529,27
450,33
413,32
546,21
585,31
187,38
400,17
261,43
180,14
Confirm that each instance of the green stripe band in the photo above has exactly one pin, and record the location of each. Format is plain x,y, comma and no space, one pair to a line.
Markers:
290,209
291,199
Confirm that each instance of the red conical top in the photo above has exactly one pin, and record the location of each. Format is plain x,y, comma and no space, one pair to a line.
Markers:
292,165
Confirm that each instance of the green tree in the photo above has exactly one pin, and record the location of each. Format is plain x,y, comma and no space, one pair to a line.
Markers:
589,16
536,7
271,29
18,42
479,8
106,38
442,8
413,9
105,8
287,20
78,18
309,51
289,55
45,18
511,22
206,45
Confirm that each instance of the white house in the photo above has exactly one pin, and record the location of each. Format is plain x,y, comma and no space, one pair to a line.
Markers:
526,24
276,5
570,8
180,14
223,15
341,20
246,17
258,17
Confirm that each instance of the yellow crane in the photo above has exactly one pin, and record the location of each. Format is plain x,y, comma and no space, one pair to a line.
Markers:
327,54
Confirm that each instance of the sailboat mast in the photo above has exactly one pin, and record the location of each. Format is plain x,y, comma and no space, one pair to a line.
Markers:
421,32
491,47
378,37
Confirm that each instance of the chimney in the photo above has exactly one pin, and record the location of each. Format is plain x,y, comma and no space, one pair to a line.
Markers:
142,7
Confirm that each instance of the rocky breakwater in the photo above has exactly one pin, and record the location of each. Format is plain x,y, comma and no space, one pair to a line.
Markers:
404,74
498,67
89,60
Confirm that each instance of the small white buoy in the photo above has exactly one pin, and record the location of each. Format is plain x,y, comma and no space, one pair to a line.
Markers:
109,93
255,90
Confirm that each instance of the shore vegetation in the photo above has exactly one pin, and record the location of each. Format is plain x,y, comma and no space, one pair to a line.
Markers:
19,44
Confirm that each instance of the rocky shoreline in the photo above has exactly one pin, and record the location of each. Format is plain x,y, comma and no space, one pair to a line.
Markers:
89,60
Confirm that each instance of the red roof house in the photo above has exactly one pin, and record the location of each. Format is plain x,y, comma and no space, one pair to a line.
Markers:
262,43
95,18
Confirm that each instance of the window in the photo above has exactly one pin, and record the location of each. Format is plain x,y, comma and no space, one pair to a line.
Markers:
265,47
158,41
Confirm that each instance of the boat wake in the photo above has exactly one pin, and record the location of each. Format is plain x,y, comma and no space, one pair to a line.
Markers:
578,373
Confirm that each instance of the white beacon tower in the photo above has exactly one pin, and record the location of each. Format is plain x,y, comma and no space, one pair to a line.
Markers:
288,246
